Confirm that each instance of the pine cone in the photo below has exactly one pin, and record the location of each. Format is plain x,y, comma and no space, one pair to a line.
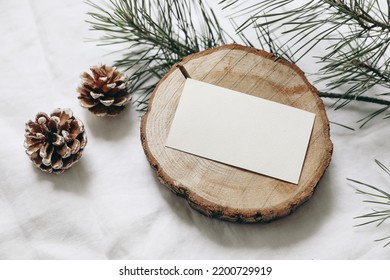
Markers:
55,143
105,92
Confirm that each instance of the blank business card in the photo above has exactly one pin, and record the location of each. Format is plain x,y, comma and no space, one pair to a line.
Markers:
241,130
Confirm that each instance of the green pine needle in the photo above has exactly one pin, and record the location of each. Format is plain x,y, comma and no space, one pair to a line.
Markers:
378,197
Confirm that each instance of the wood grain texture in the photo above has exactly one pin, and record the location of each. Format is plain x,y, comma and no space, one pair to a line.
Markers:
218,190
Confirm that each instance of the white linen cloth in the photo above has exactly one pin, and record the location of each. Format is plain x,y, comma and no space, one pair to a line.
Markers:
110,205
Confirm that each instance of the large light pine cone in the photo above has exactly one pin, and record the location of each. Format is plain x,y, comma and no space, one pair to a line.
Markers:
104,93
54,143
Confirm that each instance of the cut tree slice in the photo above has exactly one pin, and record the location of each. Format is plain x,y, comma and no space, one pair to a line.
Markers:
222,191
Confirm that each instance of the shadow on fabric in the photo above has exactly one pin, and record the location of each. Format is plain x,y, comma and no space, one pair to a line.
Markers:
285,232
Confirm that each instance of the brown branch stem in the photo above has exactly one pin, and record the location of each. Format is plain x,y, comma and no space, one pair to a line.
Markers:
357,98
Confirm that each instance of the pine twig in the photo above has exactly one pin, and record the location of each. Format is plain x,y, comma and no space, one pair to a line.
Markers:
361,98
357,32
156,35
379,197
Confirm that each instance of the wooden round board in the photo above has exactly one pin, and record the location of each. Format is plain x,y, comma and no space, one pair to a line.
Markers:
222,191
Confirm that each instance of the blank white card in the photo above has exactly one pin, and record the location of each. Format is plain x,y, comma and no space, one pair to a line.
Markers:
241,130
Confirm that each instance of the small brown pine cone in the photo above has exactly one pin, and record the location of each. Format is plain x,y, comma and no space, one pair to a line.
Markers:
104,93
54,143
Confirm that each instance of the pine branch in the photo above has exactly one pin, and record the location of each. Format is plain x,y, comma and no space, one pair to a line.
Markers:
356,98
155,35
356,33
379,198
